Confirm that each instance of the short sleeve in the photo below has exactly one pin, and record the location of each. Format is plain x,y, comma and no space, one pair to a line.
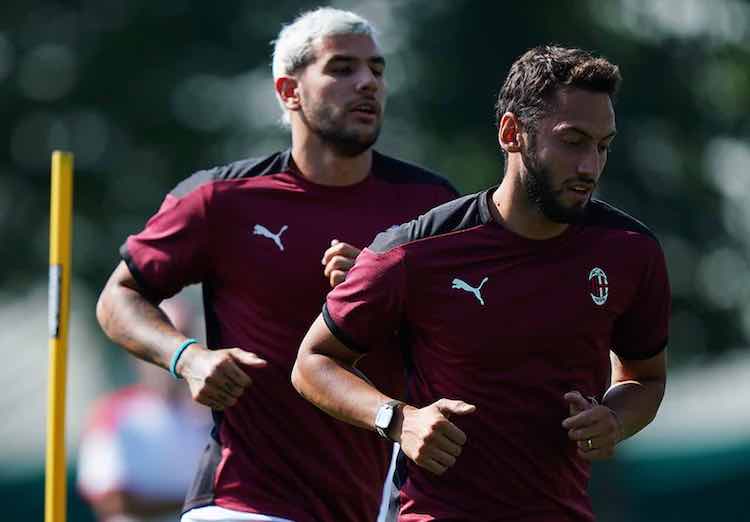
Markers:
642,331
173,249
366,309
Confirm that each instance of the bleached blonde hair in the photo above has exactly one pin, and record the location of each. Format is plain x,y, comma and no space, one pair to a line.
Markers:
293,48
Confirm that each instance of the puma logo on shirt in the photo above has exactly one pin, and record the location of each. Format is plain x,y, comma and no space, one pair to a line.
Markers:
260,230
463,285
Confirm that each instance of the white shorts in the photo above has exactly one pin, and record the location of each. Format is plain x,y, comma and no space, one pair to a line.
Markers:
389,503
219,514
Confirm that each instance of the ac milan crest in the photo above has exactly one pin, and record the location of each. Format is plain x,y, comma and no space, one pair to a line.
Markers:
599,286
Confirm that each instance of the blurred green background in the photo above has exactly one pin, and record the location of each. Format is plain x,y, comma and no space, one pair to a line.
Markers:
145,92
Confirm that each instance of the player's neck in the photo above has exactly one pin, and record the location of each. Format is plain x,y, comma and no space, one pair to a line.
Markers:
322,165
510,206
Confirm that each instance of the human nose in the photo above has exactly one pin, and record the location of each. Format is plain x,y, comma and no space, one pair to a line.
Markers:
591,163
367,81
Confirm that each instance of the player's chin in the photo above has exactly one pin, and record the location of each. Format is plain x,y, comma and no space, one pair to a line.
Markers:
365,131
577,209
355,143
366,136
566,212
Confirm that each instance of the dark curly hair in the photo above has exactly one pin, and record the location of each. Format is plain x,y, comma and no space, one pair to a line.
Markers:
535,77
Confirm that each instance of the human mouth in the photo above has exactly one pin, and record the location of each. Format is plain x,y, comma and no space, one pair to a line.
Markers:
581,190
369,109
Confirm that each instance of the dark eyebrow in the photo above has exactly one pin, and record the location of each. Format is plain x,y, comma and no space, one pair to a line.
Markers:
377,60
565,128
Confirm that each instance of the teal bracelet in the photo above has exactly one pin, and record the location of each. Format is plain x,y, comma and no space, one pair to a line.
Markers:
176,356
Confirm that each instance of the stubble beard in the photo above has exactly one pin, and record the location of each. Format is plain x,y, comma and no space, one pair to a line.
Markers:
543,196
322,121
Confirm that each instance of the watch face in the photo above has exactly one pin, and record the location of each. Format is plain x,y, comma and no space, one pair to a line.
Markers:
384,416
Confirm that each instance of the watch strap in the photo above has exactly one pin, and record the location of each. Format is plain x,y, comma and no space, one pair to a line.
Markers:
383,431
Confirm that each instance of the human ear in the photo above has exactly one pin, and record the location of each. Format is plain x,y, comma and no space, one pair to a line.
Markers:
509,133
288,92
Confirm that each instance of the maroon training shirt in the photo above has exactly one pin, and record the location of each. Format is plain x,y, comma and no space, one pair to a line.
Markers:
254,233
510,325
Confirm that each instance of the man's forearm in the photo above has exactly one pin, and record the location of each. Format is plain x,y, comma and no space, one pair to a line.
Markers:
336,389
142,328
635,403
324,374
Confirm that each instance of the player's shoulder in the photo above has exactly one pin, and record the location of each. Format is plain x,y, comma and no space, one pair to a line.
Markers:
397,171
246,168
604,215
460,214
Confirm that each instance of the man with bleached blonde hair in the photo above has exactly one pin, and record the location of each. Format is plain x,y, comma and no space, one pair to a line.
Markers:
268,238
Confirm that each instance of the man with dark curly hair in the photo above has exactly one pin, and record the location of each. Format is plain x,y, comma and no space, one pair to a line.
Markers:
535,317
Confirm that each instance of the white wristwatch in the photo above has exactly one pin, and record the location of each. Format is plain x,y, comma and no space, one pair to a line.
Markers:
384,418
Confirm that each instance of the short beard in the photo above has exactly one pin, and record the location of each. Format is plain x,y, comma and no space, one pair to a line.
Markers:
344,142
540,193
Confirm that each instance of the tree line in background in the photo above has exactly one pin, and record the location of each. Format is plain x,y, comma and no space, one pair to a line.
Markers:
144,93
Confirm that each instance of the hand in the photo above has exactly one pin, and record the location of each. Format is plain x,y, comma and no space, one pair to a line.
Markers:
215,377
427,436
338,259
594,427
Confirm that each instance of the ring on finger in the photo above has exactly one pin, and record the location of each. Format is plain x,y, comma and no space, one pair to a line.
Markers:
589,444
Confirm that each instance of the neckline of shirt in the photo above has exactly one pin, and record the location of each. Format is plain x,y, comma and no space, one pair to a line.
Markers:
487,220
289,167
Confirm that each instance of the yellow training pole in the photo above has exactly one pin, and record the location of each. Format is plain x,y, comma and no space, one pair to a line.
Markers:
61,211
